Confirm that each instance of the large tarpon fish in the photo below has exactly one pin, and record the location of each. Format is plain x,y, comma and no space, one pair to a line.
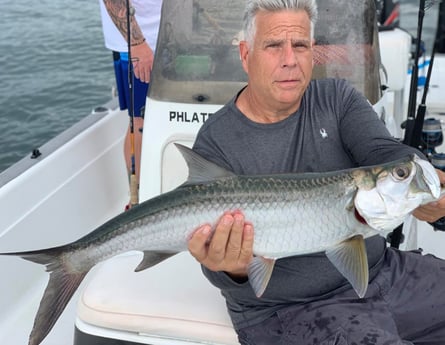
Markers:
292,214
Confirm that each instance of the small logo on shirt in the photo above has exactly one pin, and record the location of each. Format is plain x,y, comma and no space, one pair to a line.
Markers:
323,133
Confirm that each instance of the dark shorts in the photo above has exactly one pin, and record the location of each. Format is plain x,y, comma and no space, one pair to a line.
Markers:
140,89
404,304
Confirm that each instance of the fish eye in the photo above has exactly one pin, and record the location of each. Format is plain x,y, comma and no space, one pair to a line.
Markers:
400,173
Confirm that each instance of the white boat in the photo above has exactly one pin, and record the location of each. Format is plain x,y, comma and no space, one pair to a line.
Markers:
78,180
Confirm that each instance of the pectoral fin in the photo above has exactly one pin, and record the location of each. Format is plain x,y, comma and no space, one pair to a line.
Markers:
350,258
259,272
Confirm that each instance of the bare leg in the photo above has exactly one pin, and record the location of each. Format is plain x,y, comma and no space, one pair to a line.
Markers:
138,124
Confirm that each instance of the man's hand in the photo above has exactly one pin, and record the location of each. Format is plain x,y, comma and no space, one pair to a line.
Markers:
141,54
142,57
433,210
229,249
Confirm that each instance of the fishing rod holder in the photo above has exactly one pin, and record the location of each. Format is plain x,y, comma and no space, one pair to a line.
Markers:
432,137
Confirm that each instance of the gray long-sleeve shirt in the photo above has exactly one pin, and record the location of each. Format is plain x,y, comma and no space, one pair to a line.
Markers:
335,128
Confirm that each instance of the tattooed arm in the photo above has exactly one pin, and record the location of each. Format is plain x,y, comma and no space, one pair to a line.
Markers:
141,52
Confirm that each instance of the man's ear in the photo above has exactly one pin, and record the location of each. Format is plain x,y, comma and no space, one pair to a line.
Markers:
243,54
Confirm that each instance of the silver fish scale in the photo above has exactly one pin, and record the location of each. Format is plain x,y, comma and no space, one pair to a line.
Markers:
290,216
309,219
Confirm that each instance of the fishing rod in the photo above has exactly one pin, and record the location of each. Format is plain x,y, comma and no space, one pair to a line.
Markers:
412,100
421,109
134,198
414,122
396,236
440,33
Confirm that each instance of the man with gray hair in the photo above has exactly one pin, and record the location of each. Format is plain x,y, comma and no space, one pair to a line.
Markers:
284,122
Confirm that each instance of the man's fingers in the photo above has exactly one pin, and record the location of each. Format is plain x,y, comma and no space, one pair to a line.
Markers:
197,244
229,248
236,238
142,57
142,73
142,69
247,245
147,75
217,248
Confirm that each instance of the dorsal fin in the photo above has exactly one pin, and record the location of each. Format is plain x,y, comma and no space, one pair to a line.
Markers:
200,169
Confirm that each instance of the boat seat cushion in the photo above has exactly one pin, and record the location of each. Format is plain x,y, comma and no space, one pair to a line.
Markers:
171,300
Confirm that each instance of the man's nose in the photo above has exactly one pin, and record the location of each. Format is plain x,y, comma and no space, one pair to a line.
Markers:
289,56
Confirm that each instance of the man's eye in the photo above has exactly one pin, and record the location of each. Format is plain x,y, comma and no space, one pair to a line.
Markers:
273,45
300,45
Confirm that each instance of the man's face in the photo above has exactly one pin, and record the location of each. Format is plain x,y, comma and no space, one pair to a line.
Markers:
279,64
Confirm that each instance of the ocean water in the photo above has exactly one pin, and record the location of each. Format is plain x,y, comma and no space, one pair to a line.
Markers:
54,68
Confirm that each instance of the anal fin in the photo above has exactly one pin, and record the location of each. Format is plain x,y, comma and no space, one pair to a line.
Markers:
152,258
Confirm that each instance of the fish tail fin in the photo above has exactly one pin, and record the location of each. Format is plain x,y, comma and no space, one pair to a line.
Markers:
61,287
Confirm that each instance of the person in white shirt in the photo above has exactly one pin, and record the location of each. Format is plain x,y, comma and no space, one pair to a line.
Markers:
144,27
